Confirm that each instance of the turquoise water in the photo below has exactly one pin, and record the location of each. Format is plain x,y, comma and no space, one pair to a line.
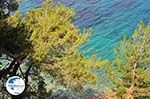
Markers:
110,20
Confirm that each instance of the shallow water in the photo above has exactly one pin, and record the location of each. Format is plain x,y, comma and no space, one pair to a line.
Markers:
110,20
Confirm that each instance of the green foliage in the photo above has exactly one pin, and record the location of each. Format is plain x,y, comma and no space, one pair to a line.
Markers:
13,36
7,7
130,69
50,41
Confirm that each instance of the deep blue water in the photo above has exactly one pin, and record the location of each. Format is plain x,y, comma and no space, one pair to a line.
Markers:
110,20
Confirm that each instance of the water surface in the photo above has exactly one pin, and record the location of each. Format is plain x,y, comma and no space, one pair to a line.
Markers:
110,20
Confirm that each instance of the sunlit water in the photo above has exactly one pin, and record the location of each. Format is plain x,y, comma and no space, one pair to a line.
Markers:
110,20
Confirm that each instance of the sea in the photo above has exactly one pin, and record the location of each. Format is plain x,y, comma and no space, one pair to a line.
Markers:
109,19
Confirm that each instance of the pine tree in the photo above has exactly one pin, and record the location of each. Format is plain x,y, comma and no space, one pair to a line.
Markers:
47,42
7,7
130,69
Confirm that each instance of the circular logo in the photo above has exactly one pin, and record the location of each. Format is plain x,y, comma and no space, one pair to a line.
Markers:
15,85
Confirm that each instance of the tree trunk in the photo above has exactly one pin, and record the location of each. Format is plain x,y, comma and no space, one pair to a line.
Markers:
11,70
5,72
26,85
